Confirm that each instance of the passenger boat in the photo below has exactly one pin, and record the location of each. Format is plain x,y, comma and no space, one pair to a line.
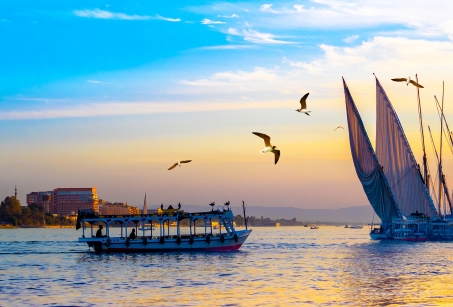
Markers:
355,227
184,236
314,227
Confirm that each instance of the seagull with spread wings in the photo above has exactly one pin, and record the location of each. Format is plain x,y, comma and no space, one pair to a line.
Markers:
303,105
338,128
269,147
408,80
179,163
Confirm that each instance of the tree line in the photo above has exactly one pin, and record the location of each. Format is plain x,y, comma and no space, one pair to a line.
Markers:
12,213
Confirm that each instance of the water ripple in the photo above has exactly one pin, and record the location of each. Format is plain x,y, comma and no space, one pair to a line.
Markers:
285,266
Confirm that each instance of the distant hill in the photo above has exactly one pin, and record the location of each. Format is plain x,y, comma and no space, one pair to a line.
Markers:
349,215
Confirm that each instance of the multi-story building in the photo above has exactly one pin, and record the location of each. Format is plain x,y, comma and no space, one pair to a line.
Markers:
106,208
41,198
67,201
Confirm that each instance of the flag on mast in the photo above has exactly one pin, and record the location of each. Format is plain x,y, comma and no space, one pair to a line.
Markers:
145,209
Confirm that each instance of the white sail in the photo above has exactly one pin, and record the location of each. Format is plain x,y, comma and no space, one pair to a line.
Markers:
395,155
367,166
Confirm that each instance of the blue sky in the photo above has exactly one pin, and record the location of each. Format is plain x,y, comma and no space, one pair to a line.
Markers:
81,79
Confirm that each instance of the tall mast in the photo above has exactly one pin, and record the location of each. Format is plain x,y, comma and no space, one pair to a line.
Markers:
440,150
425,166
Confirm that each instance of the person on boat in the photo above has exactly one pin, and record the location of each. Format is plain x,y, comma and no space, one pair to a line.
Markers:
132,236
99,232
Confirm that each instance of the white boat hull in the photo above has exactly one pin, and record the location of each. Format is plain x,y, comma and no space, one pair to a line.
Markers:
379,236
154,244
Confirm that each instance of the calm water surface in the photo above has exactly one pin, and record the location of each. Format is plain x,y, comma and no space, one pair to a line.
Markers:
285,266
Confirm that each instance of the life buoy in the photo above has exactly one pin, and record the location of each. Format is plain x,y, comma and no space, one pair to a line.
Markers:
222,238
128,242
162,240
236,238
178,240
145,241
191,240
208,239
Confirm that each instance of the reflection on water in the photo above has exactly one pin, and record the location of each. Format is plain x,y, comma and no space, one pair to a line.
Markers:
285,266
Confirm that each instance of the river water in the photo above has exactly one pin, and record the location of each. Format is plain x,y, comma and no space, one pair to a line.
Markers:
277,266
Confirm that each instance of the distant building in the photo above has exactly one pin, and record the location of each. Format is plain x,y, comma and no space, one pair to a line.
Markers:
41,198
106,208
67,201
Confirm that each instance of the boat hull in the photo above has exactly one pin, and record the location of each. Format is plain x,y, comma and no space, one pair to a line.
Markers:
379,236
417,237
154,244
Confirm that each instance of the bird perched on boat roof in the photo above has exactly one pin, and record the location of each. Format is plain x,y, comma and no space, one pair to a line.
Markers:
179,163
338,128
303,105
408,80
269,147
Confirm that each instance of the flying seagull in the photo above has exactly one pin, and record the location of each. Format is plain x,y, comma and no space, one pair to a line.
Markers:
408,80
303,105
269,147
179,163
338,128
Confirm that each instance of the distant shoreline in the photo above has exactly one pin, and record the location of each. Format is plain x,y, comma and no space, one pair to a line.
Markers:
26,226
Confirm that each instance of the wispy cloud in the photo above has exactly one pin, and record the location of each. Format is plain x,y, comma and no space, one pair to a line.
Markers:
101,14
229,77
227,47
5,20
257,37
226,16
313,67
350,39
167,19
97,82
211,22
97,13
131,108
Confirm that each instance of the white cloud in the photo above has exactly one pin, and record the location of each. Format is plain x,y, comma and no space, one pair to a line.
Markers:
101,14
422,20
350,39
257,37
233,31
206,21
267,8
96,82
226,16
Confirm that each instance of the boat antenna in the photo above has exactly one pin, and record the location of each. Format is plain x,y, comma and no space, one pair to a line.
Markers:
425,168
447,129
245,217
440,148
441,179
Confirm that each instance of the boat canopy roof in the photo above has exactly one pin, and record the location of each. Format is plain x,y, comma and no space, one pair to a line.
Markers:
158,216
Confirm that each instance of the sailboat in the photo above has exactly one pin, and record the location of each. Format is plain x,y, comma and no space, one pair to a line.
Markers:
390,176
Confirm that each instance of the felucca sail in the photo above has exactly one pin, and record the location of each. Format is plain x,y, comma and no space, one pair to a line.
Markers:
367,166
395,155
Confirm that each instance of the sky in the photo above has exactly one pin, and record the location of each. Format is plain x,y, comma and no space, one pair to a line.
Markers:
111,93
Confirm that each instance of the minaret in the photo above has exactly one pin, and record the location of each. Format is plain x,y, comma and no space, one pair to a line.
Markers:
145,208
15,191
